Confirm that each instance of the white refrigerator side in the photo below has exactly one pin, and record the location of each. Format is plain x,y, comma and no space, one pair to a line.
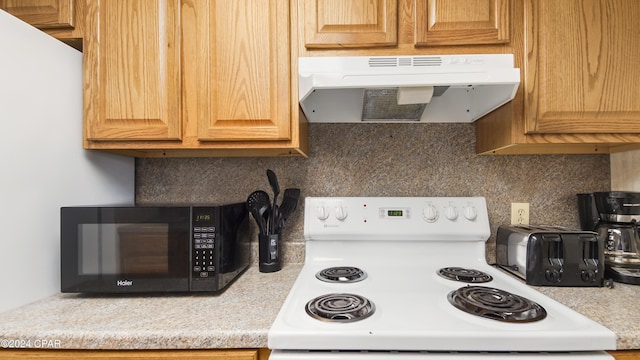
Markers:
44,165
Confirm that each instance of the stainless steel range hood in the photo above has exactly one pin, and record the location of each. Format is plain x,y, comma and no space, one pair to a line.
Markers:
447,88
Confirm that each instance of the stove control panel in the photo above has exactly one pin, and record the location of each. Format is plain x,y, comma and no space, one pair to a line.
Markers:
463,218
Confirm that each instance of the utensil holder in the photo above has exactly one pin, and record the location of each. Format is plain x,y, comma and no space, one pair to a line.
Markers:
269,252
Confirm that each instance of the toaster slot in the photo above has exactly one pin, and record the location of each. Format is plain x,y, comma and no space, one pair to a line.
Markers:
555,256
555,249
590,253
590,258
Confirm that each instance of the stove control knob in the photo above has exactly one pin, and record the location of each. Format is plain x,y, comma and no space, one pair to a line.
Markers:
470,213
341,212
430,213
451,213
322,213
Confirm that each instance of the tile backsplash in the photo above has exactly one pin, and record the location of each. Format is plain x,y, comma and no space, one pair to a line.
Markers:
385,160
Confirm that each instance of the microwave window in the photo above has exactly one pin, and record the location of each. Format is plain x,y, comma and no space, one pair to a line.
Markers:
112,249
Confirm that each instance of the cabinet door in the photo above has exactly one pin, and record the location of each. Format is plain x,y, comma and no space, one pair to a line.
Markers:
60,354
582,74
244,65
462,22
625,354
132,70
42,14
353,23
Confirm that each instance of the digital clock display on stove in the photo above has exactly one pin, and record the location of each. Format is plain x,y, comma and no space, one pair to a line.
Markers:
395,213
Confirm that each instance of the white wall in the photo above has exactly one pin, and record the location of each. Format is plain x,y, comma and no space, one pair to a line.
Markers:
43,163
625,171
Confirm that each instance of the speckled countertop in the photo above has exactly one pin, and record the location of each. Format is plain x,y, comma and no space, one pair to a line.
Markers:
618,308
240,317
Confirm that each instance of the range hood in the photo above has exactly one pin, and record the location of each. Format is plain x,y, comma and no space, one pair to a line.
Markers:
447,88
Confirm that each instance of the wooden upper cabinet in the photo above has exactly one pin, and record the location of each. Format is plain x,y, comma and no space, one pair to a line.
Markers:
185,78
352,23
579,89
132,70
462,22
340,24
62,19
582,74
243,70
42,14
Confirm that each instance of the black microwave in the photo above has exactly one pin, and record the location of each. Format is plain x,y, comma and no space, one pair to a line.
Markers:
152,249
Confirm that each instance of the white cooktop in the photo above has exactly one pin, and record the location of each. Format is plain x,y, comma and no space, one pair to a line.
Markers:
401,255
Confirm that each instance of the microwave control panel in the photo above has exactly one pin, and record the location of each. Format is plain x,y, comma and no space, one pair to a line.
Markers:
203,243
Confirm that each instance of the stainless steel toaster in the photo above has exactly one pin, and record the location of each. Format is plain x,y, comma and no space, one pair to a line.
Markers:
551,256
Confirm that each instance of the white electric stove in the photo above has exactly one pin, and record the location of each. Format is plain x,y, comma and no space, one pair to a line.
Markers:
406,278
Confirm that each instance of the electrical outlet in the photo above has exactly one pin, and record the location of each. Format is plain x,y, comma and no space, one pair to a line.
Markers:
519,213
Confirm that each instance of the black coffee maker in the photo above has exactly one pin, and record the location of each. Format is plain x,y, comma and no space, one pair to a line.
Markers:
615,216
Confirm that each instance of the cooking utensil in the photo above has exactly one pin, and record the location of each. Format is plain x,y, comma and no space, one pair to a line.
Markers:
270,218
273,181
259,206
288,206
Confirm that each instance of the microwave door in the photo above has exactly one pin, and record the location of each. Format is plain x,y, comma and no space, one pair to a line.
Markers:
125,250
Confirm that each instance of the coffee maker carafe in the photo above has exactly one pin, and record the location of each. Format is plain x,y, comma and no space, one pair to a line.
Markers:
618,223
